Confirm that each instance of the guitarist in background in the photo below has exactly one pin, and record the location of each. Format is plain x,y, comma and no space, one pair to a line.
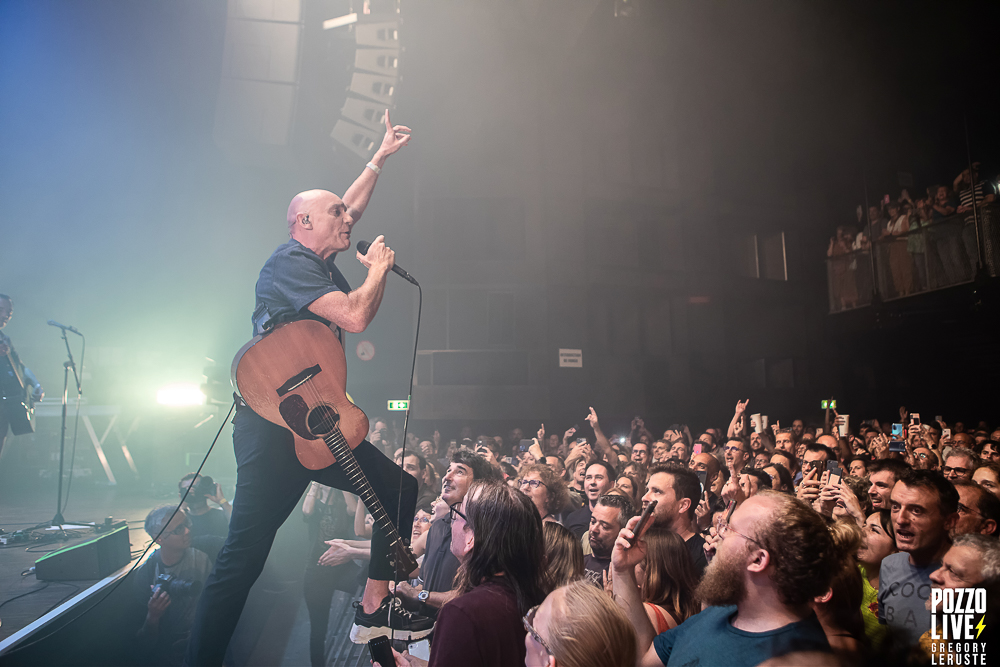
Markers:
8,355
300,281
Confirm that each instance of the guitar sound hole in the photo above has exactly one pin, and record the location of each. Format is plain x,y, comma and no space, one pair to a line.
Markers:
322,419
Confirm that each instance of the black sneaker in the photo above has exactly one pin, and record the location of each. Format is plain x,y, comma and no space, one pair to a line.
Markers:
389,617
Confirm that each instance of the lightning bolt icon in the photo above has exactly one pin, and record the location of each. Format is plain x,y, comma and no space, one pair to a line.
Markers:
980,626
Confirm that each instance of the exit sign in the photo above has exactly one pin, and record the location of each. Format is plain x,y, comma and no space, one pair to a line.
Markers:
399,405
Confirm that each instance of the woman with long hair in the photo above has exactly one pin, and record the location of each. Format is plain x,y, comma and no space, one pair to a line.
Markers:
496,535
667,580
631,486
580,626
563,554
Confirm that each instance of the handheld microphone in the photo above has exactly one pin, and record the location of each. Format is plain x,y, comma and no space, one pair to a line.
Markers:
53,323
363,249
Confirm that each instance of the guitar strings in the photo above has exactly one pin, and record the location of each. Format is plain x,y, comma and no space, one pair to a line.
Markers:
329,423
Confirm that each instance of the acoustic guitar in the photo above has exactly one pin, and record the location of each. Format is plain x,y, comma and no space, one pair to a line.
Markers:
295,375
15,395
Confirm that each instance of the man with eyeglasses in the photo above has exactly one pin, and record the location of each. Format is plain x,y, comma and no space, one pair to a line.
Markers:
168,604
440,565
960,464
978,510
769,561
736,452
924,509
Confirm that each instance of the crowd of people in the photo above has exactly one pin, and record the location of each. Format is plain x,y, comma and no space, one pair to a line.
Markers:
806,544
918,244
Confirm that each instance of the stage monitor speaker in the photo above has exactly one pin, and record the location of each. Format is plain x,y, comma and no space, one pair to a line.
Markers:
95,559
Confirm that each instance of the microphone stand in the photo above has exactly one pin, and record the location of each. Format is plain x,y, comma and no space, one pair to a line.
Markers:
58,519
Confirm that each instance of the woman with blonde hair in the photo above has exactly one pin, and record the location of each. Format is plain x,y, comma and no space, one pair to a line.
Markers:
667,580
578,625
563,554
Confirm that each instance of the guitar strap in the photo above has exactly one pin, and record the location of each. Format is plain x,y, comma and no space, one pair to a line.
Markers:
263,320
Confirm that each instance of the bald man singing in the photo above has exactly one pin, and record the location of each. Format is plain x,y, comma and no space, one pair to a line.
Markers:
300,281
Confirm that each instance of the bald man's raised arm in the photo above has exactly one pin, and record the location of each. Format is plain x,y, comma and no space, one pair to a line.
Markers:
360,192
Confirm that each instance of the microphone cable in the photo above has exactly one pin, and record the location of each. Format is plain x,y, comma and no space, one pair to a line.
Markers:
402,459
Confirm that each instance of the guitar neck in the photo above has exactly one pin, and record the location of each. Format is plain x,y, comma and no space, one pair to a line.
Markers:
345,458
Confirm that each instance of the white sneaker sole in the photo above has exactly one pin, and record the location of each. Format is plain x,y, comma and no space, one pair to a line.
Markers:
361,634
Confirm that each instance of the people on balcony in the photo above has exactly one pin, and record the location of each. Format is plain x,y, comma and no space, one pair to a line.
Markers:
845,291
900,264
917,244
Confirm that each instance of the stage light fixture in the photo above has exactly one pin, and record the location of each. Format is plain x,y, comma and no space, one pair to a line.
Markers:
180,394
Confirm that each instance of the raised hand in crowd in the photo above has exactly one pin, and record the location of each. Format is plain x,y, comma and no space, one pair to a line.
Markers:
850,503
810,486
732,490
880,446
601,440
738,422
828,495
712,539
703,512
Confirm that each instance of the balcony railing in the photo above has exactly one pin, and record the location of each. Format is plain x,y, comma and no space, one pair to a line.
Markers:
930,257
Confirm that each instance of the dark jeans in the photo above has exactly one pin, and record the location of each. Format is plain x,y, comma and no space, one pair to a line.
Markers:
269,484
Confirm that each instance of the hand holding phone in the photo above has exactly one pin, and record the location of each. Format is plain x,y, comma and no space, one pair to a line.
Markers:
647,514
380,650
703,478
836,473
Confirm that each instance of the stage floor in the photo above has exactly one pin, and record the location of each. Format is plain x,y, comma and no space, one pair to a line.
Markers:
274,628
24,599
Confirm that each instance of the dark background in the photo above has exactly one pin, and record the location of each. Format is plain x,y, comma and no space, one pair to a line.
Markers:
575,180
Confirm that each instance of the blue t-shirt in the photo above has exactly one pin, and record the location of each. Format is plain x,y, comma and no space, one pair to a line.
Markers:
708,638
903,590
292,278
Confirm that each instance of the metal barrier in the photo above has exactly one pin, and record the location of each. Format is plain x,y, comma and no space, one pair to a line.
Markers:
931,256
